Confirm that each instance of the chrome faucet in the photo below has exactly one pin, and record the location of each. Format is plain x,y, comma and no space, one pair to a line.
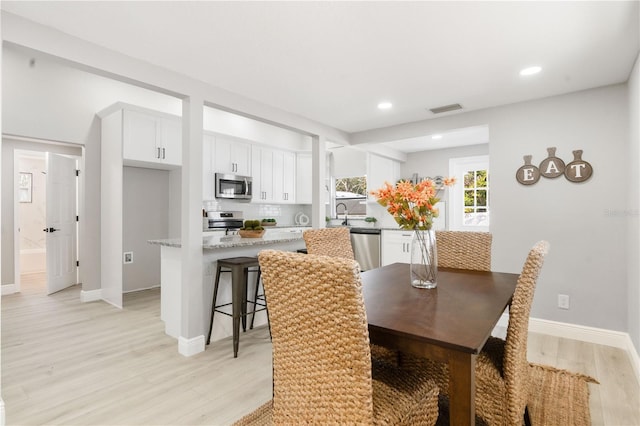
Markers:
346,221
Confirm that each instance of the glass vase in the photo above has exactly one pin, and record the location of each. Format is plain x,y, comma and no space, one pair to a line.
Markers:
424,259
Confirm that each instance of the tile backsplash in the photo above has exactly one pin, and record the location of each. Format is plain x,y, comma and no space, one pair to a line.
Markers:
283,213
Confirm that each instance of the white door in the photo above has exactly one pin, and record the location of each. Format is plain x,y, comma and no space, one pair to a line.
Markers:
62,270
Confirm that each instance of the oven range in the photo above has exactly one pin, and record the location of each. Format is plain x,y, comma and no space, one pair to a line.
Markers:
229,221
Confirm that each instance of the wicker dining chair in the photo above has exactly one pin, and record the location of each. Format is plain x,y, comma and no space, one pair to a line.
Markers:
502,369
464,250
322,369
334,242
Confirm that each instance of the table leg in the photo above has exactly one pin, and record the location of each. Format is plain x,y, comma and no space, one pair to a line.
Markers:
462,388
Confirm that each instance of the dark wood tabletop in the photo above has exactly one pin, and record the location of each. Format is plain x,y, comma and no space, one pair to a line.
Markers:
450,323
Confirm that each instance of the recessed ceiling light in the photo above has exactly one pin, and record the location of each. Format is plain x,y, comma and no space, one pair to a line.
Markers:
385,105
436,137
531,70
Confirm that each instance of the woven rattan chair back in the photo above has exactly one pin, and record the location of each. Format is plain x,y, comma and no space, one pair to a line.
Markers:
516,366
321,356
334,242
464,250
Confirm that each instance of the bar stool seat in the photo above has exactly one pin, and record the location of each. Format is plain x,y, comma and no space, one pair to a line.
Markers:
239,267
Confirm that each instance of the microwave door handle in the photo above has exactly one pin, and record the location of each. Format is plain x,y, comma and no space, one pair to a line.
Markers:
246,187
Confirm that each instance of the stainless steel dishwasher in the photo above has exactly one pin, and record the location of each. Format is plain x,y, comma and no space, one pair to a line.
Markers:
366,247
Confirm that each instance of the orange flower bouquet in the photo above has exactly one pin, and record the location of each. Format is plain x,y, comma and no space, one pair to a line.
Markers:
412,206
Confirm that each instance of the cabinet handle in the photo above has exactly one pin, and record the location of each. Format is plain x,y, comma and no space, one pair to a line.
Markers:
158,155
163,157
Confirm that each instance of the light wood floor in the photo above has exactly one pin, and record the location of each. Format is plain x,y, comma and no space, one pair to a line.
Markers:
66,363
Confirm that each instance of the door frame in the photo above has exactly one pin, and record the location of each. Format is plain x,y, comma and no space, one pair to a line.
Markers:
80,185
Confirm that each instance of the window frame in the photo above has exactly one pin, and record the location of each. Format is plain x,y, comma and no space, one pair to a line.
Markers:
458,167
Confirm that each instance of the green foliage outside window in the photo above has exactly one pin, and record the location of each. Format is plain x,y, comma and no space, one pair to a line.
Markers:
356,185
476,191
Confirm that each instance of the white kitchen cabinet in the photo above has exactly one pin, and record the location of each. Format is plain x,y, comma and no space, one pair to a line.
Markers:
380,170
262,173
274,173
396,246
134,136
304,181
284,175
232,156
150,140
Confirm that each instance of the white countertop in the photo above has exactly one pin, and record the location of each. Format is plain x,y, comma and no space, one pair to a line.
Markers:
229,241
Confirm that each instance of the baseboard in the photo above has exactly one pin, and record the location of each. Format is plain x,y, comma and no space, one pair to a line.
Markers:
8,289
599,336
141,289
2,414
90,295
189,347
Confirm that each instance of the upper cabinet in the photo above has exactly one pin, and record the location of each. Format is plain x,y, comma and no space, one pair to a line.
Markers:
274,173
262,174
380,170
151,140
284,176
232,156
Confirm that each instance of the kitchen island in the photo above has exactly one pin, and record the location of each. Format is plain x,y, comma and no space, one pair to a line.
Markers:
214,247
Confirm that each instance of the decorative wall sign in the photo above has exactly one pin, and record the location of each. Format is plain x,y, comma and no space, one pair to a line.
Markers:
552,166
528,174
578,170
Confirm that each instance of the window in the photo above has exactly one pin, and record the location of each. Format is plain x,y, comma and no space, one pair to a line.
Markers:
476,190
352,192
471,194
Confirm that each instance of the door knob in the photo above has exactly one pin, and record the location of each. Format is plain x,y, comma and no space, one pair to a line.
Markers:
50,229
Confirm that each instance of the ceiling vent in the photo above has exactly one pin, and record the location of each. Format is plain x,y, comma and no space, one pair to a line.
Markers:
446,108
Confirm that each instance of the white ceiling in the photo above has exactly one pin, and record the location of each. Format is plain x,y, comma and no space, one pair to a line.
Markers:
332,62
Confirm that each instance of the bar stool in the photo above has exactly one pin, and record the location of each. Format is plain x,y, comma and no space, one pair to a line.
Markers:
239,267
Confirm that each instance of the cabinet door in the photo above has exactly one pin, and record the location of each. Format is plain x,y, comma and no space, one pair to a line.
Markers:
278,176
396,246
284,173
141,134
262,166
304,187
171,142
289,177
241,157
232,156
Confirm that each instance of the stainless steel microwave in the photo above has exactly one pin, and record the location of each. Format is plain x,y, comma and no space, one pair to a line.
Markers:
233,186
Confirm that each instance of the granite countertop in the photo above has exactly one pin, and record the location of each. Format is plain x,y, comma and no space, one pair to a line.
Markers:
228,241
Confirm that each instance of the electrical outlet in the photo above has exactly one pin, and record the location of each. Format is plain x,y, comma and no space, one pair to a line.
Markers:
563,301
127,257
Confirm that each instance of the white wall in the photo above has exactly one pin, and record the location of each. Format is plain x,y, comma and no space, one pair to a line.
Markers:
145,212
587,259
436,162
54,102
633,216
219,121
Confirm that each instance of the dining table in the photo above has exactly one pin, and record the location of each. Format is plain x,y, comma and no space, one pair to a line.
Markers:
449,323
